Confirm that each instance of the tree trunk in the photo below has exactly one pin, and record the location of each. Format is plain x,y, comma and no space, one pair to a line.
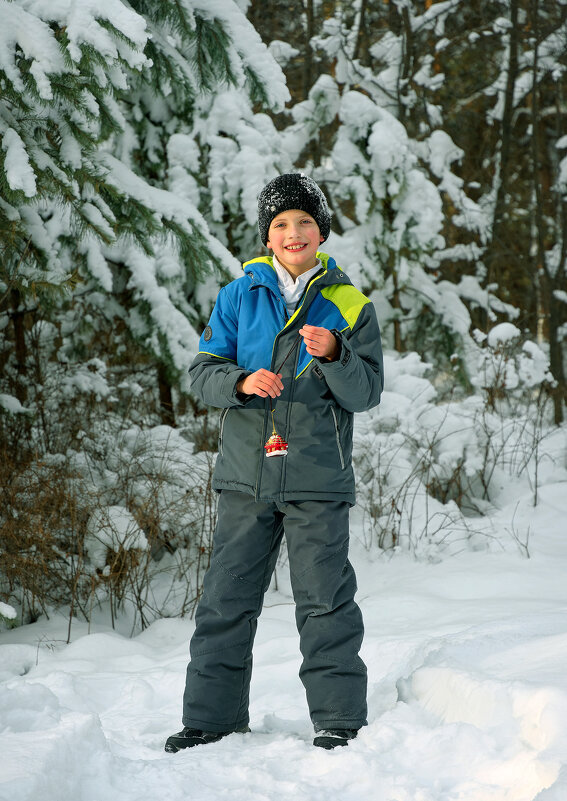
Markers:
166,408
21,352
314,147
495,250
407,57
396,304
361,44
556,360
550,278
308,58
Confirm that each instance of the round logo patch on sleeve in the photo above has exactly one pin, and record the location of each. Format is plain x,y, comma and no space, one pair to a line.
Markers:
207,333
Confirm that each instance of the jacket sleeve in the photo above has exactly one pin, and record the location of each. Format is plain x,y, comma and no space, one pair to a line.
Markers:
214,372
356,378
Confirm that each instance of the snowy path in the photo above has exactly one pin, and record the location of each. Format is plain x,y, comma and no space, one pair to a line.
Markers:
468,695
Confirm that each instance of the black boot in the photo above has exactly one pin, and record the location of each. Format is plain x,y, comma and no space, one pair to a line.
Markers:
191,737
331,738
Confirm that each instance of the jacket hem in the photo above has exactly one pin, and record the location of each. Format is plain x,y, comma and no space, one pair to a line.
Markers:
288,495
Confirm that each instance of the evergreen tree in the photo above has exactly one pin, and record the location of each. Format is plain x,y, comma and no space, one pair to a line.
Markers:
546,63
101,171
390,172
464,78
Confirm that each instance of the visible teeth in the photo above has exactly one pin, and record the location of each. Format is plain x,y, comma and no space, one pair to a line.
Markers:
295,247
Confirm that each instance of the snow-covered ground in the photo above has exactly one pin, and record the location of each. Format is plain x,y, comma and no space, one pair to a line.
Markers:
467,666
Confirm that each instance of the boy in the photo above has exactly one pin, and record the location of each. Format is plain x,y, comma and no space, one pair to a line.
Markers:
291,348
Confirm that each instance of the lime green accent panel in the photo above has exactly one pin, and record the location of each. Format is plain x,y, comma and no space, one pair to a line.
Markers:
348,300
263,259
323,258
208,353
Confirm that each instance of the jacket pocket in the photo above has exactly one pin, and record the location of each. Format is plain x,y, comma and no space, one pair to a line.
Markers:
221,428
338,437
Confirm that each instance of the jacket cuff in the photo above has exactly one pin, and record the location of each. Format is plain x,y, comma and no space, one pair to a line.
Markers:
240,398
344,351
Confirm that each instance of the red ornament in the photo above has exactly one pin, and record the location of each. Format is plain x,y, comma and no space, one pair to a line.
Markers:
276,446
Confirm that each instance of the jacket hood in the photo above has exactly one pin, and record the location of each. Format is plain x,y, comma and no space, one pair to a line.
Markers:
261,271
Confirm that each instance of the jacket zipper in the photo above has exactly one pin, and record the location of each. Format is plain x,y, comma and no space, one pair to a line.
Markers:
338,438
288,421
301,300
221,428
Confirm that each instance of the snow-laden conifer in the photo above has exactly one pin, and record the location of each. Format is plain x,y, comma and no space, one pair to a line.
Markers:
106,158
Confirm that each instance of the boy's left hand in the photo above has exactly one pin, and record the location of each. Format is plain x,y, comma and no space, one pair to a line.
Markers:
320,342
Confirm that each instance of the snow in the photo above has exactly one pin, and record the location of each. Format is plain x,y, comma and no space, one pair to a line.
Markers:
11,404
36,42
249,48
82,22
467,660
503,334
443,152
283,52
562,177
8,611
112,528
19,172
241,157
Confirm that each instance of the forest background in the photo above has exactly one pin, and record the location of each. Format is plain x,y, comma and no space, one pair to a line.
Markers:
135,138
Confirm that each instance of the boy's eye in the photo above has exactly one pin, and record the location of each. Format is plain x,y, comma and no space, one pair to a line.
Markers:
304,221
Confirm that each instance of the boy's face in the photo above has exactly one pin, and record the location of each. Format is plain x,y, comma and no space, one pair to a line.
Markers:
294,236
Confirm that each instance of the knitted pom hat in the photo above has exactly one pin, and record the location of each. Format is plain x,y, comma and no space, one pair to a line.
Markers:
293,190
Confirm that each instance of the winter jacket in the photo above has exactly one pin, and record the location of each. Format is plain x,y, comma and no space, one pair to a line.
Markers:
248,330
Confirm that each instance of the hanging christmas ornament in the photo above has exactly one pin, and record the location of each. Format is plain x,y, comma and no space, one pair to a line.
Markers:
276,445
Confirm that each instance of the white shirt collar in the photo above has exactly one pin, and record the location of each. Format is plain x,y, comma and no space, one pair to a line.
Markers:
292,288
287,281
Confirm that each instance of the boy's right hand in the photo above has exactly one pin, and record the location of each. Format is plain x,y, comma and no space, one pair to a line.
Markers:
262,383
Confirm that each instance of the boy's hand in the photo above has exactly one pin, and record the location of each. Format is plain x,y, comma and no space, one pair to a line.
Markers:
320,342
262,383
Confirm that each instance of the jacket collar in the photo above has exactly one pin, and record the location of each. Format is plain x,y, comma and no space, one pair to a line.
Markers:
261,272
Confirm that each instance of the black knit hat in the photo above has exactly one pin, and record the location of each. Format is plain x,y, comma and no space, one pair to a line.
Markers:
293,190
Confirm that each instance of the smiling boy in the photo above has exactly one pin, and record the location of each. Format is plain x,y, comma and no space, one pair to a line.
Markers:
292,347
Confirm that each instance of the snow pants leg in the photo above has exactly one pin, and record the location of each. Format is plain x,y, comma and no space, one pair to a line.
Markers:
329,622
245,550
328,619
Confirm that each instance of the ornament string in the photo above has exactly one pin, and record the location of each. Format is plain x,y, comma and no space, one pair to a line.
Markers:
273,421
283,445
294,344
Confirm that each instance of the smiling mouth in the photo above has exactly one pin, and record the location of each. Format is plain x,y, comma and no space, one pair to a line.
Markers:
295,248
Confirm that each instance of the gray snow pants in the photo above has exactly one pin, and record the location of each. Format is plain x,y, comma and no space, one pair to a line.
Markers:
329,622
